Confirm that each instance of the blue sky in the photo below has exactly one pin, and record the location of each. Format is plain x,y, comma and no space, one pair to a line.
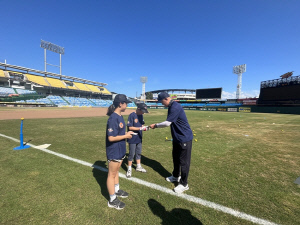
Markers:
176,44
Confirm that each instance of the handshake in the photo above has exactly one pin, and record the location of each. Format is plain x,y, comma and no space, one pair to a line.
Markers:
145,128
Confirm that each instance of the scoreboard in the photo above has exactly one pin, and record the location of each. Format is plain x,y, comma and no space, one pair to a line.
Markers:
208,93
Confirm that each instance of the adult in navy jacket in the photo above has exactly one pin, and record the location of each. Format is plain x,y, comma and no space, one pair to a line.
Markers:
182,136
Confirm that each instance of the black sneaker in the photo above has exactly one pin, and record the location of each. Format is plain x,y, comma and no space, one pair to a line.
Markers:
121,194
116,203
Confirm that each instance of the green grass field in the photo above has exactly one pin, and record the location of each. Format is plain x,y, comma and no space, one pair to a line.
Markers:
244,161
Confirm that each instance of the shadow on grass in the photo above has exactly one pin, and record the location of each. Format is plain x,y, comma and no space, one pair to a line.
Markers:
155,165
100,174
176,216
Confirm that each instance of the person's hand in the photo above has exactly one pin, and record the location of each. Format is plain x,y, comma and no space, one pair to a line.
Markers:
144,128
129,134
152,126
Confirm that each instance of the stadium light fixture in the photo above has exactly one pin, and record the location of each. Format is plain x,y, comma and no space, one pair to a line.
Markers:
54,48
239,70
144,81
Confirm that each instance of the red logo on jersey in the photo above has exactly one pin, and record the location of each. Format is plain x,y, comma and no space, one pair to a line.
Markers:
121,125
136,120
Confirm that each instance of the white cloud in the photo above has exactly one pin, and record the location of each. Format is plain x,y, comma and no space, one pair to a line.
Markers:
248,94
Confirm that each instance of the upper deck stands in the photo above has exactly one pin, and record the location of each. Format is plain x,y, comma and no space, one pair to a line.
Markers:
38,80
55,83
2,73
93,88
104,91
81,86
72,87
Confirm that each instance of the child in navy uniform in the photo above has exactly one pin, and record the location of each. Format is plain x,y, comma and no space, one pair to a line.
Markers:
135,123
116,149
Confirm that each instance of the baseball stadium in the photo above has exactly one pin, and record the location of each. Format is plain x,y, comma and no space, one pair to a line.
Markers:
244,163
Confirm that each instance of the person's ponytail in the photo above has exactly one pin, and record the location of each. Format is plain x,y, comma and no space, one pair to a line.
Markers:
110,110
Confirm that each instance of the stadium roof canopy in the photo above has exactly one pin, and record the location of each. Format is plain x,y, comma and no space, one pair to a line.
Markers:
51,74
173,90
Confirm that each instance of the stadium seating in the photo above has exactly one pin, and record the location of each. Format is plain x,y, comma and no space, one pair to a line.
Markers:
6,91
44,100
2,73
231,104
76,101
40,100
153,104
213,104
187,104
21,101
101,103
104,91
31,101
72,87
97,89
25,92
37,80
71,101
131,105
81,86
55,82
57,100
93,88
199,104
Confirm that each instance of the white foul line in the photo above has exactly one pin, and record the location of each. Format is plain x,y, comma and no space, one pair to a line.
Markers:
190,198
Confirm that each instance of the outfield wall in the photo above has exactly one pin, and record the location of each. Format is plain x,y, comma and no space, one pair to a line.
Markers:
246,108
276,109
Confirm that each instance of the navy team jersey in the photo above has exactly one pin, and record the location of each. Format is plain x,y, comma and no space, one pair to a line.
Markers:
135,120
115,127
180,128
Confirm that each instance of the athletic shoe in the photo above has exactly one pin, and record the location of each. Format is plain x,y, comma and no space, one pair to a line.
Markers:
128,174
173,179
141,169
121,194
116,203
180,188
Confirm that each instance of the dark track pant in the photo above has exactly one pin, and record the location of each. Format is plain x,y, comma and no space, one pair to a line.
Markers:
182,160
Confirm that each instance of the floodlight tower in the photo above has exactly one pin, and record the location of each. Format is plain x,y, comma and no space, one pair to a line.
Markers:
54,48
144,81
239,70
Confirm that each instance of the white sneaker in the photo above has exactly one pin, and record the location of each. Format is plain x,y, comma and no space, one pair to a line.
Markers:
180,188
173,179
141,169
128,174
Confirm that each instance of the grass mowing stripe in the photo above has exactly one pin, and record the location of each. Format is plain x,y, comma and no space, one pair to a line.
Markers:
190,198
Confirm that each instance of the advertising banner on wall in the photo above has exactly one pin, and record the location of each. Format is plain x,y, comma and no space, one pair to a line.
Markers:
249,102
208,109
232,109
244,109
173,96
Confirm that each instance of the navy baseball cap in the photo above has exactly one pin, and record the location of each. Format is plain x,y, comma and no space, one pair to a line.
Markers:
142,107
162,96
121,98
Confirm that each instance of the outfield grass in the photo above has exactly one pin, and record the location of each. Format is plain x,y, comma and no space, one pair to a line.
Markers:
244,161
